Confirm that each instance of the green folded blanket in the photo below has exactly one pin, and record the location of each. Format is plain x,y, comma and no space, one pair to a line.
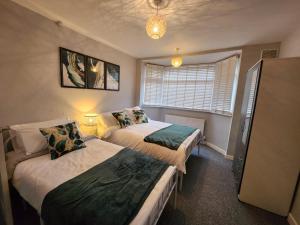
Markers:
110,193
171,136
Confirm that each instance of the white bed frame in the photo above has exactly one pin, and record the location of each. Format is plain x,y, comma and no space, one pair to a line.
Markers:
196,142
171,187
5,204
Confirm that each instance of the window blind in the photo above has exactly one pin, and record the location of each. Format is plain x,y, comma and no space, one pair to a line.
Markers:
207,87
252,92
153,84
188,86
225,77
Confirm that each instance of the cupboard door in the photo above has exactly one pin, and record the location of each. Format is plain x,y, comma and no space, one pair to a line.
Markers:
248,105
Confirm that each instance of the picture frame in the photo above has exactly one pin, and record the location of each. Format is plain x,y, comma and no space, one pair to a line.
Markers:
72,69
95,73
86,72
112,77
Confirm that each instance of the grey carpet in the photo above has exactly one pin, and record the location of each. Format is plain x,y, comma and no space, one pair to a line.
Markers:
208,198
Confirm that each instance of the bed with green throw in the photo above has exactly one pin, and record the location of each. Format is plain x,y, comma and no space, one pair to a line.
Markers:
110,193
100,184
168,142
171,137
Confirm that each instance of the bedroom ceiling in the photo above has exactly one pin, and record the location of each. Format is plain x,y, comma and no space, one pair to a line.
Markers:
193,25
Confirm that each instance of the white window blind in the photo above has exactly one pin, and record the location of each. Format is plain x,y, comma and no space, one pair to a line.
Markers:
188,86
225,78
207,87
153,84
252,92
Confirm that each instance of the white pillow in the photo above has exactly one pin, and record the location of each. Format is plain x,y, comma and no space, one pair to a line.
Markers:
133,108
107,132
107,123
29,137
16,141
107,120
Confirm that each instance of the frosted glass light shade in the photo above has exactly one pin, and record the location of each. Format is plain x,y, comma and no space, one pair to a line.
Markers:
176,61
91,119
156,26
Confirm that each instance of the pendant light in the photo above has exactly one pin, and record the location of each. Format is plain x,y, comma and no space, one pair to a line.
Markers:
176,59
156,25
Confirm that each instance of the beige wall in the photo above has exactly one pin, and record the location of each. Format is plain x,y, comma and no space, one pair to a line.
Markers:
290,47
250,55
30,79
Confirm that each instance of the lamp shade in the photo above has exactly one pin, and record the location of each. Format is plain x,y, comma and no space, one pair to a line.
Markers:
91,119
176,61
156,26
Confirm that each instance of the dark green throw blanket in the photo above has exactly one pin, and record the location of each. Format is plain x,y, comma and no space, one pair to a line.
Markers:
110,193
171,136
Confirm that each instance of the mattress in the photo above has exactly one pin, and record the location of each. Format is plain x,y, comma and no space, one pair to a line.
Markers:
35,177
133,137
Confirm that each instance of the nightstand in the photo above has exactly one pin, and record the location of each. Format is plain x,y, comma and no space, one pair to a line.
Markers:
5,203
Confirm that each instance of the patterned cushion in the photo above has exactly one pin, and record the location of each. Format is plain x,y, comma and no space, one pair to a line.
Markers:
63,139
140,116
123,119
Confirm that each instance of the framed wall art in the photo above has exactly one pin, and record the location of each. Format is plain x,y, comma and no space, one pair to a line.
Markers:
112,77
95,73
72,69
81,71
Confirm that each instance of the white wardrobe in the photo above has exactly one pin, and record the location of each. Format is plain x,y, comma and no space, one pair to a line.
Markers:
267,160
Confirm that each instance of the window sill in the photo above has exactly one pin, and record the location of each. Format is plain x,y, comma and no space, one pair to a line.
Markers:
227,114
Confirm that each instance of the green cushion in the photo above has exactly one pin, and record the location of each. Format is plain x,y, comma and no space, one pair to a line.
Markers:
123,119
63,139
140,116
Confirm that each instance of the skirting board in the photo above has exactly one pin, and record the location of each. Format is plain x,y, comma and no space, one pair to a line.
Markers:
291,220
220,150
230,157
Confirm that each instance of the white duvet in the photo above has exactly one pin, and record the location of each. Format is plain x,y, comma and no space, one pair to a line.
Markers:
133,137
35,177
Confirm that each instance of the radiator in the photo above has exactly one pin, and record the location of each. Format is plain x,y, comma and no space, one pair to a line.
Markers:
187,121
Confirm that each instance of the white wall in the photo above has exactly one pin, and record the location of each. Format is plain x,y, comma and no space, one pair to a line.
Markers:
290,47
30,77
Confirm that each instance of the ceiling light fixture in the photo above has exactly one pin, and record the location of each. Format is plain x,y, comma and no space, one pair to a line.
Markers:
176,59
156,25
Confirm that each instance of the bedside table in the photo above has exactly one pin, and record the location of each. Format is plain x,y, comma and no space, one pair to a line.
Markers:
5,204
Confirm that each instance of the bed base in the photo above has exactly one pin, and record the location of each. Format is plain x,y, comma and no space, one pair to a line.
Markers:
160,205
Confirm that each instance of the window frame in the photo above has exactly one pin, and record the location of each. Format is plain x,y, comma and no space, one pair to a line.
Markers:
217,112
